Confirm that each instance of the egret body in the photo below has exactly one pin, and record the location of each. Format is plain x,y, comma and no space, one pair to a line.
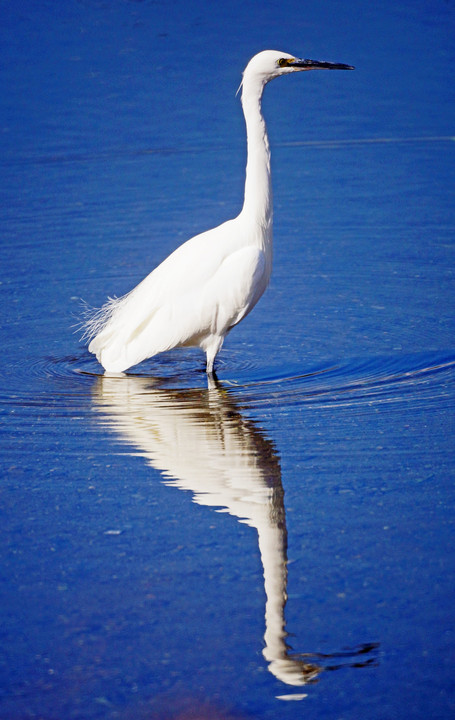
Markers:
212,281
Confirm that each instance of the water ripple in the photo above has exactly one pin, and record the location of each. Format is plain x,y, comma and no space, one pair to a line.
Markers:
423,378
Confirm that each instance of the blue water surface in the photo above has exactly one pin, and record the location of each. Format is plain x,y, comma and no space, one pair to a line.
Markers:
278,543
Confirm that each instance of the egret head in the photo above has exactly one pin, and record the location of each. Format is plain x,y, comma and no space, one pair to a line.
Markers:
269,64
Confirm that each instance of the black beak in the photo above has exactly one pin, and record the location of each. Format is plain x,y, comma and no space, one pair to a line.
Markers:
317,64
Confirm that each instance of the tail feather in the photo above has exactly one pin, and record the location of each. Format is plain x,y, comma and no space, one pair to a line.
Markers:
96,320
101,328
119,332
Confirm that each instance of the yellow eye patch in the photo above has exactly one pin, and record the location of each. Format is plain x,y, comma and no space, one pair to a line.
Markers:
285,62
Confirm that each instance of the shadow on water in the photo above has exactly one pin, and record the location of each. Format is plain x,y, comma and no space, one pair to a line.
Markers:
202,442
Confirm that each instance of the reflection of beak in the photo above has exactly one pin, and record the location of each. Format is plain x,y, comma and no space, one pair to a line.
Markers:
318,64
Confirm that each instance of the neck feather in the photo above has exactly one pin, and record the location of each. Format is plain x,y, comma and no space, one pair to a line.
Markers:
258,188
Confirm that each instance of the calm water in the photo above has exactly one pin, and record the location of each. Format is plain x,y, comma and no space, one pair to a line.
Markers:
279,544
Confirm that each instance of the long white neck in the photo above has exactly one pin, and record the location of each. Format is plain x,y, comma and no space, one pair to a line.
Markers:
257,206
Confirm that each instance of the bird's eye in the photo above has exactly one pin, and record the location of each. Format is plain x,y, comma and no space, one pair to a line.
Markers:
283,62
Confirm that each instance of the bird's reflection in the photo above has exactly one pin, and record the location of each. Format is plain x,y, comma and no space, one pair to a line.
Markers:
200,441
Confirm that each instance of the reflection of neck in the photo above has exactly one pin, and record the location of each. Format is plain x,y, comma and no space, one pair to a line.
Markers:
272,546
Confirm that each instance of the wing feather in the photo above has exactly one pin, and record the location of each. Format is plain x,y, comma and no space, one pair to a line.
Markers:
181,302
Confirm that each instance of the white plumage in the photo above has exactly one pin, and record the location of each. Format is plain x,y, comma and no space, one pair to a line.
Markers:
213,280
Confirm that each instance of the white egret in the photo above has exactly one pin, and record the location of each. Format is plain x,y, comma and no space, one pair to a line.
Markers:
212,281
